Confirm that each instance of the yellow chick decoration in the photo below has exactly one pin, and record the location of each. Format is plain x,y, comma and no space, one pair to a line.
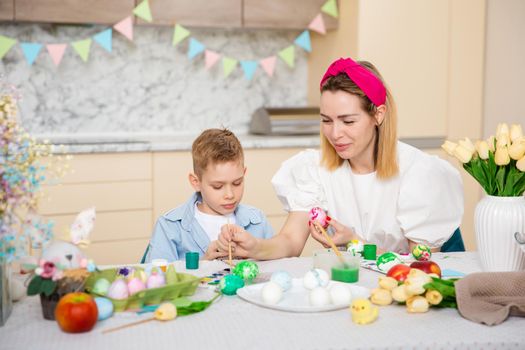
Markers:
363,312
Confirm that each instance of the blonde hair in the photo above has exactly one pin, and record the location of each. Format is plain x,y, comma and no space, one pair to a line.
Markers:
214,146
385,152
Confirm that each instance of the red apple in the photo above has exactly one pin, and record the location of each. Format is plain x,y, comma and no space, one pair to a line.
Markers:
427,267
399,272
76,313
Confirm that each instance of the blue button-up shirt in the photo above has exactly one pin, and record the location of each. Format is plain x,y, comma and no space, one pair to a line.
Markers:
178,231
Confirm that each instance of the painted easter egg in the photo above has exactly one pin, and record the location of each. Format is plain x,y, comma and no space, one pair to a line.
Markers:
101,286
230,283
118,289
386,260
247,270
355,247
105,308
318,214
135,285
421,252
282,278
155,280
315,278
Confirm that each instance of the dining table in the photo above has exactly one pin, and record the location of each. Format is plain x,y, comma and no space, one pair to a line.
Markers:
232,322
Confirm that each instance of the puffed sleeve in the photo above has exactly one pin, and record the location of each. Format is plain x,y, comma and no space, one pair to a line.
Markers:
297,182
430,204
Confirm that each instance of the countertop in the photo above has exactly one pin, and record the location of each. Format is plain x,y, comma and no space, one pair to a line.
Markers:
126,142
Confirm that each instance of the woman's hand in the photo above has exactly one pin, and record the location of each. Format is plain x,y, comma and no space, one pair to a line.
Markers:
342,234
214,251
242,242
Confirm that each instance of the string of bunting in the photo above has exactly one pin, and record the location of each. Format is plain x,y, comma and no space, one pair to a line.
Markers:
195,47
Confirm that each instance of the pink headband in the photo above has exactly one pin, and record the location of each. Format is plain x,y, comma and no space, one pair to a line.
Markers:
362,77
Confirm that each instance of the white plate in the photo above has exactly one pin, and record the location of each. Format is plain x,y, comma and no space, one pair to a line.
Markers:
296,298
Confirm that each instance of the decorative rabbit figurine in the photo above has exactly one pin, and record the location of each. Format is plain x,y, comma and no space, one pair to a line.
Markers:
520,238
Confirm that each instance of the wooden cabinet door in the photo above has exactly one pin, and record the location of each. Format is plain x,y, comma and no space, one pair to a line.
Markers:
287,14
7,10
197,13
73,11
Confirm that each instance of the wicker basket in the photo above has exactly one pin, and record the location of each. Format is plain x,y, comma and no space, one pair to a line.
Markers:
186,286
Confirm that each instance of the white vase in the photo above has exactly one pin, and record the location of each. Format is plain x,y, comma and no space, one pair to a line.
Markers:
496,221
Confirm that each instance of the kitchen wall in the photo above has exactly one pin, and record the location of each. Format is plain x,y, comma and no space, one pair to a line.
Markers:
148,85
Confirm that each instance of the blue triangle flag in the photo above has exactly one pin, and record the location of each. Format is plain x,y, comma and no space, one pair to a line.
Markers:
196,47
31,51
104,38
303,40
249,68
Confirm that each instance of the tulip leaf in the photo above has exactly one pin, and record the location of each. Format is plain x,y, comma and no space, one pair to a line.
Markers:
500,180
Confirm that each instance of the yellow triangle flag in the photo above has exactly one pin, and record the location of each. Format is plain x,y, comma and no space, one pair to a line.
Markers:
228,64
330,8
5,45
82,48
179,34
288,55
142,10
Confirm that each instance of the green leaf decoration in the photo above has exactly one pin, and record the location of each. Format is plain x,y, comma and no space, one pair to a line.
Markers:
195,307
34,286
48,286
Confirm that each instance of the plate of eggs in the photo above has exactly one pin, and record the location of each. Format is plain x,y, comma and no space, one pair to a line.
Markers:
315,292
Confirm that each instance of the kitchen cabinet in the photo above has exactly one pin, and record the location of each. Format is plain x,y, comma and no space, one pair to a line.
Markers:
73,11
195,13
289,14
7,10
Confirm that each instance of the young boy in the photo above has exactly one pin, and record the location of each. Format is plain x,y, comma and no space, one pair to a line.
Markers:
218,180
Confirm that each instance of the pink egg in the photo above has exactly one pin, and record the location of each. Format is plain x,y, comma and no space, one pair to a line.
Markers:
155,281
118,289
135,285
318,214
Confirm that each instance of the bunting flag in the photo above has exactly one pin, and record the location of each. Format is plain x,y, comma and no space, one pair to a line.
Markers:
56,51
303,40
330,8
5,45
268,65
228,64
31,51
249,68
179,34
143,11
82,48
104,38
125,27
195,48
288,55
210,58
317,25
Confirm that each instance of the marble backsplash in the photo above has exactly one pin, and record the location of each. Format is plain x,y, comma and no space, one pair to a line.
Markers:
147,86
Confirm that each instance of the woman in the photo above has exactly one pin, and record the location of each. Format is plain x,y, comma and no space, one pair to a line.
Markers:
375,188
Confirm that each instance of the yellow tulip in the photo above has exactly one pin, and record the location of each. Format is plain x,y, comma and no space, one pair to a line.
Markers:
466,143
415,281
502,128
515,132
517,150
490,141
417,304
449,147
501,157
399,294
381,297
462,154
520,164
483,149
433,297
387,283
502,140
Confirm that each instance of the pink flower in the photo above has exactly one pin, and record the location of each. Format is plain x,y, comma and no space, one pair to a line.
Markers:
48,270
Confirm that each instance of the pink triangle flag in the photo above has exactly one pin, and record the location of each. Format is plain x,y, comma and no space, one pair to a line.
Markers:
317,24
56,51
268,64
211,57
125,27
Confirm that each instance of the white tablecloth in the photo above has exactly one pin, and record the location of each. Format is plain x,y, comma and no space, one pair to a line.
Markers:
232,323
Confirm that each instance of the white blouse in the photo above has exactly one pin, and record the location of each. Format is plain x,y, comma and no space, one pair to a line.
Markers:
423,203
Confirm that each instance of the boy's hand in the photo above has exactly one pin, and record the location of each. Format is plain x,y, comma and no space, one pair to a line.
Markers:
243,243
342,234
214,252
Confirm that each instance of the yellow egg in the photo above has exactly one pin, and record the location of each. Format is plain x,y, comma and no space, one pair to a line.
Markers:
166,312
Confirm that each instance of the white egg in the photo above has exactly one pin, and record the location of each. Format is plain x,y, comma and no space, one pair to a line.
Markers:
319,296
315,278
340,294
271,293
283,279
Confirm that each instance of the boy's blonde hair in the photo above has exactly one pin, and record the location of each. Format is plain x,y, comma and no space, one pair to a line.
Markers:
385,153
215,146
